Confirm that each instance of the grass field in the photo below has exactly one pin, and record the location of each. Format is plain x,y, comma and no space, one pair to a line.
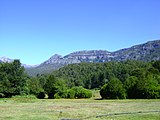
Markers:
78,109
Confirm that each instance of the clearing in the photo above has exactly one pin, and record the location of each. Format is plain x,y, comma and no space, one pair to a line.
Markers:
78,109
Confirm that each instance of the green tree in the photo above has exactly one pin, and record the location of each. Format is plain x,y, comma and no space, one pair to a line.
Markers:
34,86
12,78
131,85
49,86
156,65
143,84
113,90
54,86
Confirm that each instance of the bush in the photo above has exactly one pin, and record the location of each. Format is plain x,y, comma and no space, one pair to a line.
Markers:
113,90
75,92
86,93
71,94
61,94
81,92
56,96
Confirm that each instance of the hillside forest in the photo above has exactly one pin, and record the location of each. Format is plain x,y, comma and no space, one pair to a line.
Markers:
115,80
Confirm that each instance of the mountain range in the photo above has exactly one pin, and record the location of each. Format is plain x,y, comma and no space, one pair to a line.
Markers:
145,52
6,59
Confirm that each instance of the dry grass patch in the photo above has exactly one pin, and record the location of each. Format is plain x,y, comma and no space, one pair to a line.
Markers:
34,109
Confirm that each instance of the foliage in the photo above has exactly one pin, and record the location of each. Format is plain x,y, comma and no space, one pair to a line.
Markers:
75,92
12,79
116,80
54,86
113,90
33,84
81,92
71,94
136,79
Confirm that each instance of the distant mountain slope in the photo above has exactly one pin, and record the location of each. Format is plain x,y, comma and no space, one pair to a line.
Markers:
144,52
5,59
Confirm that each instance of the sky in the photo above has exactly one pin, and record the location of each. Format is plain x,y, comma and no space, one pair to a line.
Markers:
34,30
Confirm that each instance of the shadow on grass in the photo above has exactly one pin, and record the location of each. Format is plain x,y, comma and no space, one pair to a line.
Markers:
98,99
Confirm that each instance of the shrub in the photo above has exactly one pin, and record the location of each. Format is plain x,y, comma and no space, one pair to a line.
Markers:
56,96
60,94
81,92
113,90
75,92
71,94
86,93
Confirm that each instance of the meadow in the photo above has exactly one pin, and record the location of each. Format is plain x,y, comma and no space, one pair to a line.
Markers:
79,109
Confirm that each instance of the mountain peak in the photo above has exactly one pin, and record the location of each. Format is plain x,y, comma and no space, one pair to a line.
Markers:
5,59
56,56
54,59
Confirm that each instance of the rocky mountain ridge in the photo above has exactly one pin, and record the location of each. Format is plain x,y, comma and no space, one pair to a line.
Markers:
145,52
138,52
78,57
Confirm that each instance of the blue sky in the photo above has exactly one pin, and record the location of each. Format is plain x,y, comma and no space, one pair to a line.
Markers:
34,30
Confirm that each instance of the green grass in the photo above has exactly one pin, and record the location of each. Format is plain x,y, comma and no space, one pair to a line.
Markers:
88,109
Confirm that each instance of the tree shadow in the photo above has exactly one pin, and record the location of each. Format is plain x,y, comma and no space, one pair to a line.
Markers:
98,99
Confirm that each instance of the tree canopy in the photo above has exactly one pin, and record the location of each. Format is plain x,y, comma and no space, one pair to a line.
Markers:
116,80
12,79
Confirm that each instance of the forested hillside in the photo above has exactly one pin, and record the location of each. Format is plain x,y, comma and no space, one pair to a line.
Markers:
134,79
95,75
125,79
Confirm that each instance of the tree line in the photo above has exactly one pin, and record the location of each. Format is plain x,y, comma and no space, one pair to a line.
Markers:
126,79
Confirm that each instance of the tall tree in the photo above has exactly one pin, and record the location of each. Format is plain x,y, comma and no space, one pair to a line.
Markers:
13,78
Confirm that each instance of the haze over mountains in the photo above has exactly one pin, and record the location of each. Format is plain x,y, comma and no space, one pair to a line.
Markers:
145,52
